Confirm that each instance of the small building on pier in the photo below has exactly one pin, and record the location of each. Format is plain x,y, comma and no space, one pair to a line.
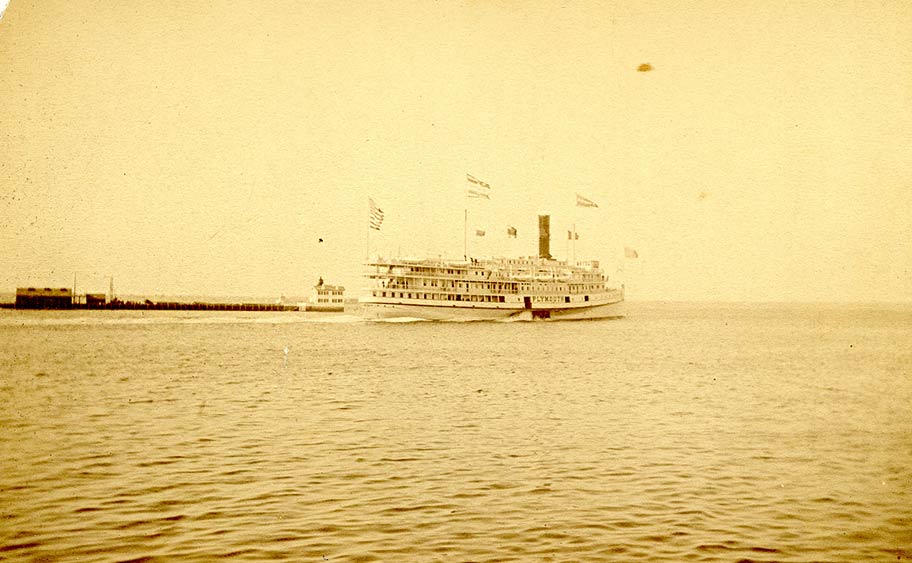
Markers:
326,298
96,300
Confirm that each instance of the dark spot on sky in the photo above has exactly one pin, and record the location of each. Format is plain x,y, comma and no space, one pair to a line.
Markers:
645,67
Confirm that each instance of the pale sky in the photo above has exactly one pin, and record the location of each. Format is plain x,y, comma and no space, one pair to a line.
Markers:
205,148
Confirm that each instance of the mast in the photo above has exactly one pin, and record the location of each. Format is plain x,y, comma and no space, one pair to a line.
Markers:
573,242
483,191
465,232
573,235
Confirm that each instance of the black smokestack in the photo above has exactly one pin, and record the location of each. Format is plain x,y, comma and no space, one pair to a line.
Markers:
544,236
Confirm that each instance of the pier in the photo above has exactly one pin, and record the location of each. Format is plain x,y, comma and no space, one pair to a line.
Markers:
65,299
160,306
195,306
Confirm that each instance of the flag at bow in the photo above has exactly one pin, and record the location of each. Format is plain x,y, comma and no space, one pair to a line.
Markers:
584,202
511,232
479,233
630,253
571,235
376,215
477,188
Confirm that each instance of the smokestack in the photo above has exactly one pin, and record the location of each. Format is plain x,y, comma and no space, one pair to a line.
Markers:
544,236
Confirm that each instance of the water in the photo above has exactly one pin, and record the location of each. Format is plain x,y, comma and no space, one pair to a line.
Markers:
684,432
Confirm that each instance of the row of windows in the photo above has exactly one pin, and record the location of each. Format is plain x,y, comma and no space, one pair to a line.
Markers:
441,296
492,286
436,273
496,287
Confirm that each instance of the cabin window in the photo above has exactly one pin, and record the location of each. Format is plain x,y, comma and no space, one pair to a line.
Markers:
586,298
566,299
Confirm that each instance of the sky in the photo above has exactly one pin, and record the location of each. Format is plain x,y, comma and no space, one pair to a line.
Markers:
230,148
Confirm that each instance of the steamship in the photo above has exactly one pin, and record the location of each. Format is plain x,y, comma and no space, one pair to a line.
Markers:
537,287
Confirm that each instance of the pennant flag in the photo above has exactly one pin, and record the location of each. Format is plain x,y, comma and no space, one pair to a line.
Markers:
630,253
511,232
479,233
477,188
572,236
583,202
474,180
376,215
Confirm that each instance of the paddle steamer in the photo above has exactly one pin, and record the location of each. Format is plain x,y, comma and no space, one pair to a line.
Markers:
538,287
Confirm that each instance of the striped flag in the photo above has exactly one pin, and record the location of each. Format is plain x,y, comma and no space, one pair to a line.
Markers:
630,253
511,232
477,188
583,202
376,215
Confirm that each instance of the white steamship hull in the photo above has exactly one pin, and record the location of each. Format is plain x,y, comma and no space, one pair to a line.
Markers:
453,313
612,307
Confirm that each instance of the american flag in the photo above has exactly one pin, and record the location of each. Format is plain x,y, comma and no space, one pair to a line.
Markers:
376,215
477,188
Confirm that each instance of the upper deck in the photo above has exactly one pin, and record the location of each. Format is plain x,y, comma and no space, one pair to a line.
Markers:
496,269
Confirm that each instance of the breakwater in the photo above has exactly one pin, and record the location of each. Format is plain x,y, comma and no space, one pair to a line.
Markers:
195,306
163,306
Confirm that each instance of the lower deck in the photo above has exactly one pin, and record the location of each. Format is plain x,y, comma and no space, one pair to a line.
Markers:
491,301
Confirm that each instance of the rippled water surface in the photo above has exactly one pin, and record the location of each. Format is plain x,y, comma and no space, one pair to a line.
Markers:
681,433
